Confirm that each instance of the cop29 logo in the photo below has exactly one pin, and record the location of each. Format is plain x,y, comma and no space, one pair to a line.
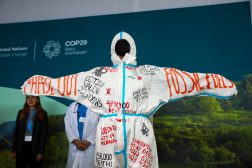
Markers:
52,49
75,43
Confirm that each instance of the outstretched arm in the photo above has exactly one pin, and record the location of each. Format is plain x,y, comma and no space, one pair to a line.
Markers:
83,87
182,83
65,86
168,84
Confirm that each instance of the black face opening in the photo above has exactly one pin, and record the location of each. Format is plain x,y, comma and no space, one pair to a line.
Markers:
122,47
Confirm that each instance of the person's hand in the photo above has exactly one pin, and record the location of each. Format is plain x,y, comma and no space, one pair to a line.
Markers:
13,155
77,143
40,157
84,145
86,142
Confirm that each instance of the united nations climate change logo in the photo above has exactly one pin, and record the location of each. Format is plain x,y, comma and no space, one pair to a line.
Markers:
52,49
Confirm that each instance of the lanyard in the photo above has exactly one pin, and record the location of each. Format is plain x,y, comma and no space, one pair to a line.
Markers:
81,113
30,121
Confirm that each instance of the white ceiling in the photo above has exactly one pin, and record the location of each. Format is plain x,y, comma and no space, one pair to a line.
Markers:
12,11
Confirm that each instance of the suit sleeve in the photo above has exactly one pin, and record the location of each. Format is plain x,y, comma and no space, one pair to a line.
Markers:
172,84
82,87
66,86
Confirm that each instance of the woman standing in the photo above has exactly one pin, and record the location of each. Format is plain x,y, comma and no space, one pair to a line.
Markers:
30,134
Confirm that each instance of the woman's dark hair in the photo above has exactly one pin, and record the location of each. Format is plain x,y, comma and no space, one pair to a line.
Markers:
122,47
40,114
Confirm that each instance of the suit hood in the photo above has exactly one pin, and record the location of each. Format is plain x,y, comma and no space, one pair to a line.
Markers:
129,58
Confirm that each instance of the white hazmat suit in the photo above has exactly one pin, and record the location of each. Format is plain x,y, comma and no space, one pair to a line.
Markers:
126,95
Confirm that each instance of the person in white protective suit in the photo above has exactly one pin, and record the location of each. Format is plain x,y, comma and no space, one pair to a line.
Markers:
126,95
80,127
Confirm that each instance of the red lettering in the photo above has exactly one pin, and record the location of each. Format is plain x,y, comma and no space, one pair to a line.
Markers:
219,80
208,82
168,81
224,85
48,82
59,90
192,79
232,84
197,80
177,90
112,135
215,83
183,82
75,86
25,89
34,84
40,82
103,138
67,85
68,91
